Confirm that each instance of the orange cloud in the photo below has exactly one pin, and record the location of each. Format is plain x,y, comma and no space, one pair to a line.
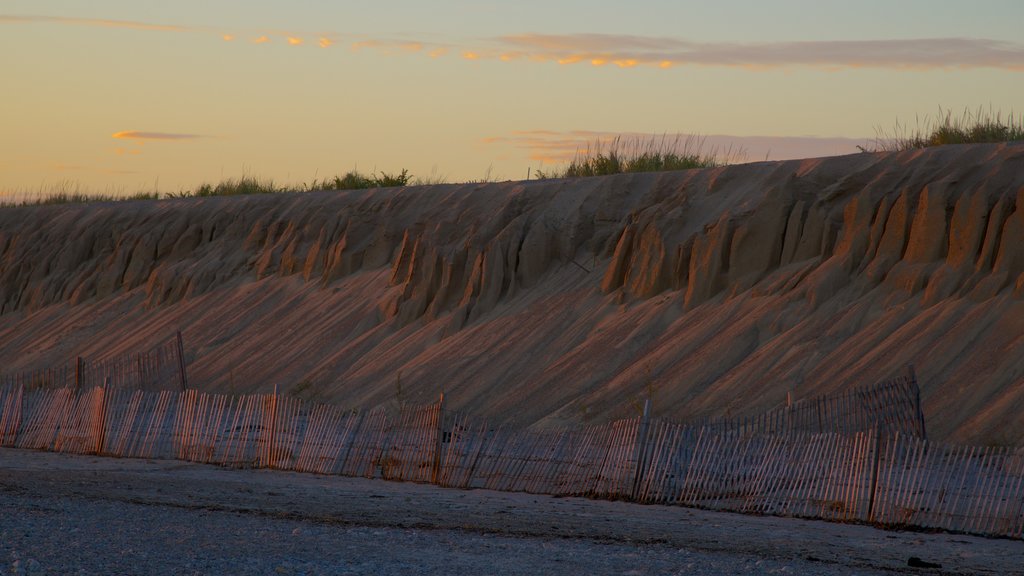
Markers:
261,40
469,55
139,135
325,42
356,46
395,47
293,41
627,51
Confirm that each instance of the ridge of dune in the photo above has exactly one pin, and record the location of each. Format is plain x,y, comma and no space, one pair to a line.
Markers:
561,301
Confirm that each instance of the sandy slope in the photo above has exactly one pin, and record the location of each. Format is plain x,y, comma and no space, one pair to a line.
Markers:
561,301
136,516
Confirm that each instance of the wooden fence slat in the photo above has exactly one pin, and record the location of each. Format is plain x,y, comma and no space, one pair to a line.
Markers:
848,468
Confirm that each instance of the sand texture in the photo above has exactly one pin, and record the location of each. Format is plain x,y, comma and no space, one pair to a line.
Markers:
87,515
561,301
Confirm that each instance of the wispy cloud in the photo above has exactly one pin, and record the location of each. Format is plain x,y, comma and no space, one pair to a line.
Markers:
557,147
104,23
391,47
627,51
141,135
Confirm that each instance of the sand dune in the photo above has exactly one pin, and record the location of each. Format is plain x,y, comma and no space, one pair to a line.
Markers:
561,301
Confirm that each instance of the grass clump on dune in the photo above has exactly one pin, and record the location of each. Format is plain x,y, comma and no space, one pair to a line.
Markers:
603,158
969,128
355,180
230,187
68,192
72,193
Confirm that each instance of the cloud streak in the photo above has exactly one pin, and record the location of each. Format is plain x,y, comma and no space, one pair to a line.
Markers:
141,135
627,51
98,22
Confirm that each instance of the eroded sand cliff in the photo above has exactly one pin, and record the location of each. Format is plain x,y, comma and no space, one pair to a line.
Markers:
558,301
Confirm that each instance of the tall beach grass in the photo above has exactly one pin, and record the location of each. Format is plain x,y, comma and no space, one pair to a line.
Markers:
970,127
638,154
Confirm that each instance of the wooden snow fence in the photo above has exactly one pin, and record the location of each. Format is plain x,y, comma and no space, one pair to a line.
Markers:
961,488
161,368
866,476
892,406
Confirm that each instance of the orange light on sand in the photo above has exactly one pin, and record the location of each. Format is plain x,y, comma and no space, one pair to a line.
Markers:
293,41
625,63
228,37
506,57
598,62
470,55
569,60
325,42
412,46
261,40
438,52
665,64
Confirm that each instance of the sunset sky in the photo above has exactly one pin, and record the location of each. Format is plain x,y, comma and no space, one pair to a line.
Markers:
129,95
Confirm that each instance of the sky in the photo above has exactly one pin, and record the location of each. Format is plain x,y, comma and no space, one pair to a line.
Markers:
128,96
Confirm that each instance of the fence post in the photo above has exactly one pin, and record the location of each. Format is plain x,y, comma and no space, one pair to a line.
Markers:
272,432
100,431
874,474
641,448
917,391
181,362
435,473
78,374
140,368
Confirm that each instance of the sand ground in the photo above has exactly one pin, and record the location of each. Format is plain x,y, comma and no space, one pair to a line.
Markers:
63,514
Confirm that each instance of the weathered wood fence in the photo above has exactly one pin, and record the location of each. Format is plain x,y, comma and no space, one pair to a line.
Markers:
162,368
891,406
890,479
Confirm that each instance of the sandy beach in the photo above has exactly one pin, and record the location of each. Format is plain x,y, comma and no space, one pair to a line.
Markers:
67,514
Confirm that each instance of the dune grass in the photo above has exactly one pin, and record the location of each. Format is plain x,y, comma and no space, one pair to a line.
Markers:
654,154
355,180
73,193
69,192
600,158
970,127
229,187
